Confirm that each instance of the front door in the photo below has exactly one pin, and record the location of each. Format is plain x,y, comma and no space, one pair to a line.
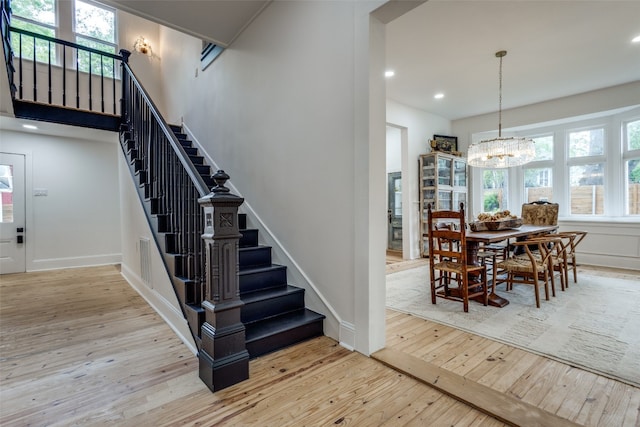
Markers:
12,214
394,241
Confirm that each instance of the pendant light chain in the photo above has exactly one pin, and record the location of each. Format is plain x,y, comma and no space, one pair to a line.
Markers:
501,55
498,153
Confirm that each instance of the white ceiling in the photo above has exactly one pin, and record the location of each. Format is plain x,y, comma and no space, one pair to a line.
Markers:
555,49
216,21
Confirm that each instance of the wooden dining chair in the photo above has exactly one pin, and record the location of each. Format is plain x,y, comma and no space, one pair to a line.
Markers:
531,268
557,260
575,238
451,277
540,213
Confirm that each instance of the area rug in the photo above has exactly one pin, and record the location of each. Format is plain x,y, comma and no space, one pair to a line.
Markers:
593,325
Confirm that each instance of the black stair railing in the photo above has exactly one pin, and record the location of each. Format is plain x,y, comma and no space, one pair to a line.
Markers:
60,81
200,228
77,76
172,183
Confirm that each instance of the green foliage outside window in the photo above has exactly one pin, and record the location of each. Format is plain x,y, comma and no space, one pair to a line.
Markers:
633,135
94,28
491,202
37,16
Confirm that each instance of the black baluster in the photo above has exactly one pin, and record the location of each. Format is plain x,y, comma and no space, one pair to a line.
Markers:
49,67
64,75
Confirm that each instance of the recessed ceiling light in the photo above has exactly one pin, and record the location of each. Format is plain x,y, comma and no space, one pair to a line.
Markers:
30,127
389,73
438,95
636,39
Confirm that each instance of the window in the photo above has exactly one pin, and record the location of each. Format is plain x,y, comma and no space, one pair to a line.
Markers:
538,184
37,16
586,171
631,137
494,190
586,143
209,53
544,147
95,28
82,21
587,189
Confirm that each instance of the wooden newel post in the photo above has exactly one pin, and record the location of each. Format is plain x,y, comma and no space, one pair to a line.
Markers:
223,356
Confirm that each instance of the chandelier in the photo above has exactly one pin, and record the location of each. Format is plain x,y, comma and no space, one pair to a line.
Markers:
501,152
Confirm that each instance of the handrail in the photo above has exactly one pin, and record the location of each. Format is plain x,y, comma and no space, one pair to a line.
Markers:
202,187
64,42
45,76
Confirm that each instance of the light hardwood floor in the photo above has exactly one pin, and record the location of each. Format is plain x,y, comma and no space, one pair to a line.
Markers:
80,347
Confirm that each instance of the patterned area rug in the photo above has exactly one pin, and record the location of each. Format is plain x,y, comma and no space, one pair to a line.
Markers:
593,325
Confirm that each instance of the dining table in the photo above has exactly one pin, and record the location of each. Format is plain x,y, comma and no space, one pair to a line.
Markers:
475,238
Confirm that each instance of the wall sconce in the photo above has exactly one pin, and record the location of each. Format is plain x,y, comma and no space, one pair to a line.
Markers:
142,45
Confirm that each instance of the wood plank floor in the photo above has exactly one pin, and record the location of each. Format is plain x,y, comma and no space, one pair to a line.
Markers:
80,347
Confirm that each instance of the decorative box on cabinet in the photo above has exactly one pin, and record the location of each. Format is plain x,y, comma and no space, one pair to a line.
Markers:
443,183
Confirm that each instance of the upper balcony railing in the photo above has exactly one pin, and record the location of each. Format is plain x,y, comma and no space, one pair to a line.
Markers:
50,71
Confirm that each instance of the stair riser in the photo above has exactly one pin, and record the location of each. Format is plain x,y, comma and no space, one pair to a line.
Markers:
174,264
275,342
186,290
195,317
272,307
249,238
262,280
255,257
203,169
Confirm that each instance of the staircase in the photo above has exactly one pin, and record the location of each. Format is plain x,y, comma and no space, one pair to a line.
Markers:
274,313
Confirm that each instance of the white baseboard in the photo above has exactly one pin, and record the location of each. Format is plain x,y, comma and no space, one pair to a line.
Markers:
600,260
73,262
347,335
166,310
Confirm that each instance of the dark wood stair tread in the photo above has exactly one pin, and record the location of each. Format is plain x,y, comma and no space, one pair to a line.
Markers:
250,297
278,324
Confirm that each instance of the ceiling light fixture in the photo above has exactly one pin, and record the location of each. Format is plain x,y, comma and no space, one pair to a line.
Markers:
389,73
636,39
501,152
438,95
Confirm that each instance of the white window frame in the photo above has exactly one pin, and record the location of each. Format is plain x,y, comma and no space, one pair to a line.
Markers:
585,160
100,6
627,154
614,158
65,23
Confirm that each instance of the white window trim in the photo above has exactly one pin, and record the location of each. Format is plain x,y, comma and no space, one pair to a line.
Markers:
614,159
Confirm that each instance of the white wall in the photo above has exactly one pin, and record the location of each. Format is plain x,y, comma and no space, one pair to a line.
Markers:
78,222
158,290
146,68
286,113
420,126
394,149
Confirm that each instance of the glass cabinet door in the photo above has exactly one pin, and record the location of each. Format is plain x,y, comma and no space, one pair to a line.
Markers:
459,197
459,173
444,200
428,172
444,171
